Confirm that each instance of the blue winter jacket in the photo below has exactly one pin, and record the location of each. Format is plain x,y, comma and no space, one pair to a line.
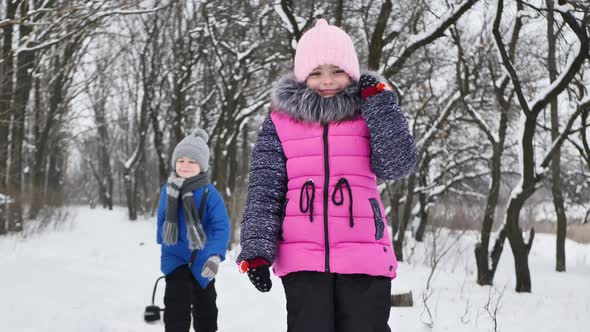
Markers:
215,223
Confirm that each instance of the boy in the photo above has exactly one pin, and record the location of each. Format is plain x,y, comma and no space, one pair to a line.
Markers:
193,229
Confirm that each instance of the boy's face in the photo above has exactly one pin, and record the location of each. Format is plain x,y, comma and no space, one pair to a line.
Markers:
186,167
328,80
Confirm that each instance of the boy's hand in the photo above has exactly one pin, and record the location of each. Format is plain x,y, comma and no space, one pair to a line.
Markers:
211,267
258,270
370,86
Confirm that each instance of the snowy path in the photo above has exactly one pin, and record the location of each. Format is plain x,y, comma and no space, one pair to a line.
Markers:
96,274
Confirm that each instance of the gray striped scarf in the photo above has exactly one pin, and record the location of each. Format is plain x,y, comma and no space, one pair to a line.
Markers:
181,187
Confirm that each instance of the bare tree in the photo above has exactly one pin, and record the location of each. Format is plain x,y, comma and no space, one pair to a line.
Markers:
383,44
98,94
235,66
471,84
556,158
6,91
25,60
530,175
148,69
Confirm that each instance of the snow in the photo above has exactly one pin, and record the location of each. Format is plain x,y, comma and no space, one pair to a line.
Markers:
563,8
477,117
433,129
565,72
286,23
4,199
96,273
132,159
545,212
435,26
417,38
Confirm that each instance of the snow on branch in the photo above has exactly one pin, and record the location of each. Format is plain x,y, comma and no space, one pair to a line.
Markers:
133,159
562,9
453,163
482,124
427,37
506,58
436,190
228,47
562,81
247,53
582,105
572,68
249,110
422,144
133,12
291,23
5,199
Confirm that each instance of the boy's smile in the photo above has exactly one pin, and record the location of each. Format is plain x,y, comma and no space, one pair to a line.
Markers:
186,167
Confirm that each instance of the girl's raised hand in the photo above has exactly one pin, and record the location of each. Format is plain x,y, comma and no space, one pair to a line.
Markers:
370,85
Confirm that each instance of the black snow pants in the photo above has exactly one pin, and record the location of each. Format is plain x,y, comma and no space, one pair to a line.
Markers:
329,302
183,296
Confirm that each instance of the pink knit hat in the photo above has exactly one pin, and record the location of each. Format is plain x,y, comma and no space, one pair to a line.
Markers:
325,44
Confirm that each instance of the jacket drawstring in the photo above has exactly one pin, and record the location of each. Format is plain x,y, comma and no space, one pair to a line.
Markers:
309,200
341,182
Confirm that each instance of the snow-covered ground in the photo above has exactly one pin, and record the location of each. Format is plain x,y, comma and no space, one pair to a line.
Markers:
96,273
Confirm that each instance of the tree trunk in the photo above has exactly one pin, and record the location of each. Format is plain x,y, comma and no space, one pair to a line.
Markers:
556,157
159,146
377,42
129,180
419,236
25,62
104,176
177,109
520,194
149,71
3,212
485,274
394,191
7,84
41,141
242,189
339,13
6,91
520,249
405,219
220,168
105,169
57,167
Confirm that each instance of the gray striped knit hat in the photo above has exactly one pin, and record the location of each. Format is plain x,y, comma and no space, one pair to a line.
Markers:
193,146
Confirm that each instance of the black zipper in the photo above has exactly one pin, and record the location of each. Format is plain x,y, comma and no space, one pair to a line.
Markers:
326,198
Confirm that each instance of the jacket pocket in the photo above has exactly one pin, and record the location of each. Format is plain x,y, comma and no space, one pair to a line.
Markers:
377,218
283,215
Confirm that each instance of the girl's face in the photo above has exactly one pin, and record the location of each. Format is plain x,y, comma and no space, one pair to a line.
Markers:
328,80
186,167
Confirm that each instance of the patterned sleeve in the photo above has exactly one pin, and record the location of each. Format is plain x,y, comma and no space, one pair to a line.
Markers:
267,190
393,148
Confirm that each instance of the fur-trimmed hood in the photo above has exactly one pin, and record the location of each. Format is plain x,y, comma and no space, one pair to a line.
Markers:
304,104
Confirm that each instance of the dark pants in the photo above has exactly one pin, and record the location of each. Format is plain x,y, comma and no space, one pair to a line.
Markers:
329,302
183,295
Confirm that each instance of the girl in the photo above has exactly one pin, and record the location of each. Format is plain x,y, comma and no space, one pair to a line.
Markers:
313,210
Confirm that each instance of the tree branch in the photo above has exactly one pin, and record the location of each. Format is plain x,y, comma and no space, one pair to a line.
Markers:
428,37
506,60
582,106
